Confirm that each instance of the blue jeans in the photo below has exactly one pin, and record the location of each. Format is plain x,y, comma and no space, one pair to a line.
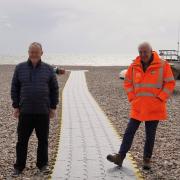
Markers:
133,125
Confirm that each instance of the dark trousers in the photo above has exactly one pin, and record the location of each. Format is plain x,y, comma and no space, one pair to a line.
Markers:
133,125
27,123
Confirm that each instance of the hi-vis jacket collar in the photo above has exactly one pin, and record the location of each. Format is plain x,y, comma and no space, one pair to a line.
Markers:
156,60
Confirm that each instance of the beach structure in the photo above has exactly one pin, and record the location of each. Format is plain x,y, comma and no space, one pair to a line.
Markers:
172,56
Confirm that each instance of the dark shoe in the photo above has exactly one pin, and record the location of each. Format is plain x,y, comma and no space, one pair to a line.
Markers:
116,159
16,173
45,169
147,164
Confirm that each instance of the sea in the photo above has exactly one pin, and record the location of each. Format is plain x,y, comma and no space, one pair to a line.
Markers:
74,59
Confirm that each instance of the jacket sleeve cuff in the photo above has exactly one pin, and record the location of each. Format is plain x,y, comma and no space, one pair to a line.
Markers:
163,96
53,106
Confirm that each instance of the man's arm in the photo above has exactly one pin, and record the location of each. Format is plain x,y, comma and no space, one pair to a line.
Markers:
168,83
15,89
54,91
128,84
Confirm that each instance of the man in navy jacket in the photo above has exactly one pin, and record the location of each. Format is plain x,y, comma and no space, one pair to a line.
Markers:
35,95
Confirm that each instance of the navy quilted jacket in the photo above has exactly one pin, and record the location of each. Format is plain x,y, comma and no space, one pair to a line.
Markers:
34,89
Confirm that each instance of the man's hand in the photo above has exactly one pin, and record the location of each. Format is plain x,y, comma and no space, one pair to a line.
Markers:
52,113
16,112
159,99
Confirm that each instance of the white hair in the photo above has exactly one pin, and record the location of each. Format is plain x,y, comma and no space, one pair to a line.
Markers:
145,44
35,44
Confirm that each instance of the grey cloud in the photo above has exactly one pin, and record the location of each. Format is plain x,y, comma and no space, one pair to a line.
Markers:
94,26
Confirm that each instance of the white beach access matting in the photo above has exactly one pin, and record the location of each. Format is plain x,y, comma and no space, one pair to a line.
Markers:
86,138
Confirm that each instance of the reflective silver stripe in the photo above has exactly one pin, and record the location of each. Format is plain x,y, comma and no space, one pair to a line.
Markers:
133,76
148,85
129,90
166,90
145,94
160,78
169,79
159,83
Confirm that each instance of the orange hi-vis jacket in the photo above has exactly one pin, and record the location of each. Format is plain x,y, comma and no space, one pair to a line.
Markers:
148,91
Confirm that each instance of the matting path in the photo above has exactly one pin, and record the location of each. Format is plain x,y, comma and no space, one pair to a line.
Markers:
86,138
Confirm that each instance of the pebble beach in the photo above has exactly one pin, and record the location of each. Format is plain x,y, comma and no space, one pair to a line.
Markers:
107,89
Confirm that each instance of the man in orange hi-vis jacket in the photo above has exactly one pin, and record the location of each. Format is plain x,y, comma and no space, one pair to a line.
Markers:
148,83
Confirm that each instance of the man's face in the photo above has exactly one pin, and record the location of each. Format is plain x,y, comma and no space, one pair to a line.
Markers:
145,53
35,54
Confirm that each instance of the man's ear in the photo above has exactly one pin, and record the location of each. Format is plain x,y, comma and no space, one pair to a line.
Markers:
42,53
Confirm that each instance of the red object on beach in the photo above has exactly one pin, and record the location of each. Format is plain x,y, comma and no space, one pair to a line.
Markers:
62,71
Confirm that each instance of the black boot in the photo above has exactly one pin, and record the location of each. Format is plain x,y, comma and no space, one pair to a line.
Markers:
146,163
45,169
16,173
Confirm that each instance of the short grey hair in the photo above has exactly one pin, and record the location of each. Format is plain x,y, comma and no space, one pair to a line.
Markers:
35,44
145,44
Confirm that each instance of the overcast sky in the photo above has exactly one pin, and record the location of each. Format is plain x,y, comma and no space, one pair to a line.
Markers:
88,26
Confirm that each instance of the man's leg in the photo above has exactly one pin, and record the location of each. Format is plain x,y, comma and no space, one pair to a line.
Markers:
24,130
128,137
42,133
150,127
126,143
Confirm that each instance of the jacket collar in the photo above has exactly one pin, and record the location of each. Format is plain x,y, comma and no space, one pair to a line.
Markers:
149,62
30,63
156,60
